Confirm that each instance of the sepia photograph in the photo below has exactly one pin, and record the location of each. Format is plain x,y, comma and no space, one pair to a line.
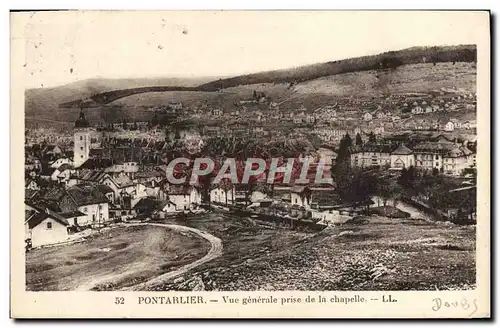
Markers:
252,152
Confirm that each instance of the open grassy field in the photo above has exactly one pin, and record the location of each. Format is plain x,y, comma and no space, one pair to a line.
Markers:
243,238
372,253
115,258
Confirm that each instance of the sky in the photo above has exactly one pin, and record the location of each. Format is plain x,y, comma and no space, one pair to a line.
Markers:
63,47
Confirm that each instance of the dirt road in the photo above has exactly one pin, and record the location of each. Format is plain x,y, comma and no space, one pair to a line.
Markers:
215,251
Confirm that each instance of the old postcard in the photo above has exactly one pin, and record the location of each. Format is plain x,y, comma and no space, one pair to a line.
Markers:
232,164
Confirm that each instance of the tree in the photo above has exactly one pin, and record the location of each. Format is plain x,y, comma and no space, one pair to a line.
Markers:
371,137
407,180
124,124
254,94
226,185
342,164
389,190
205,183
391,62
348,140
167,136
359,140
135,127
469,203
358,187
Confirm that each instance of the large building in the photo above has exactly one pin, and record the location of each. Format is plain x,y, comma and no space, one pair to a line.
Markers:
402,157
372,155
443,155
448,157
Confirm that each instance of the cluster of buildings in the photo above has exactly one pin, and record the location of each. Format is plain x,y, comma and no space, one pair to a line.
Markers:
118,175
68,191
440,154
110,180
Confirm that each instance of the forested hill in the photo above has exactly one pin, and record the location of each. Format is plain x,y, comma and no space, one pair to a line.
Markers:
387,60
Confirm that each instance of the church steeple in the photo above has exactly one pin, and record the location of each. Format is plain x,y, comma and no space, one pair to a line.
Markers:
81,122
82,140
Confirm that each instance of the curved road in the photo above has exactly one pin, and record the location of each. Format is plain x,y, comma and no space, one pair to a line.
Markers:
214,252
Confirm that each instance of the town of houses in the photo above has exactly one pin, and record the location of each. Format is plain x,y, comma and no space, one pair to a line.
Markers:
94,177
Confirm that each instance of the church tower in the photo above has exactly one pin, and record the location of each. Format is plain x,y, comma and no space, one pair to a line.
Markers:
82,140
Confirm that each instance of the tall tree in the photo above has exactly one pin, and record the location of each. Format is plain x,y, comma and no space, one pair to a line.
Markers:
359,140
348,140
372,137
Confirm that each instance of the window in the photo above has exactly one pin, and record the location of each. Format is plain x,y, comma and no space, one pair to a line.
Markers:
81,137
81,148
84,210
437,157
100,207
49,225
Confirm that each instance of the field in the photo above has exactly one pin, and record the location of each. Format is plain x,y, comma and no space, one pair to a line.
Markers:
367,253
115,258
373,253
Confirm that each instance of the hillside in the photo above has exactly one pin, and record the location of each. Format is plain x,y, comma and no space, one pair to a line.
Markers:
404,79
46,100
319,84
387,60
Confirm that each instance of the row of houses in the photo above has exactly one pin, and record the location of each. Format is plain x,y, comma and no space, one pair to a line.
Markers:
446,156
52,215
448,126
330,134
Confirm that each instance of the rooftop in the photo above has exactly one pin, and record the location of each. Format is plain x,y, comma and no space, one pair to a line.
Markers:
402,150
81,122
38,218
